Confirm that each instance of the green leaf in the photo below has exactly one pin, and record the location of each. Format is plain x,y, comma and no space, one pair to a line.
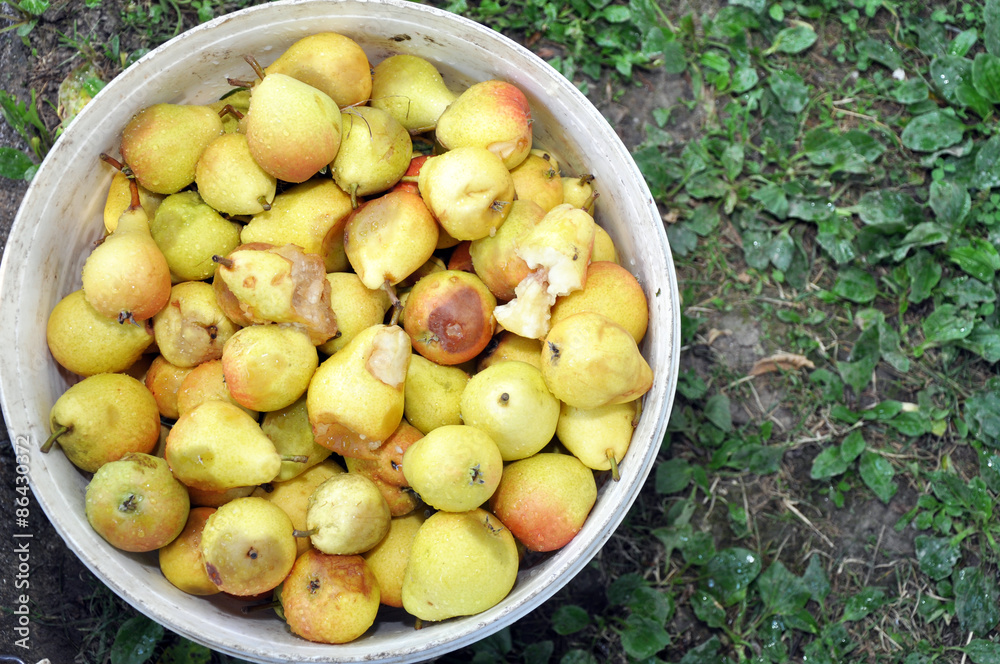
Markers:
185,652
652,603
717,412
947,323
16,165
936,555
642,637
801,620
703,220
979,259
617,14
877,473
870,49
136,641
730,572
706,653
987,173
672,475
855,284
34,7
569,619
932,131
793,40
783,592
976,596
790,90
950,201
577,656
539,652
986,76
911,91
924,272
852,446
949,74
828,463
708,609
889,211
991,33
863,603
744,78
756,6
963,42
707,184
816,581
982,413
981,651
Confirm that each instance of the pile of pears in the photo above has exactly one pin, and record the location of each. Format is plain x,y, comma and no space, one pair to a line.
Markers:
350,340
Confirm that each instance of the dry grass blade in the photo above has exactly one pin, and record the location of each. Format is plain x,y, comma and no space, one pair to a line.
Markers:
781,361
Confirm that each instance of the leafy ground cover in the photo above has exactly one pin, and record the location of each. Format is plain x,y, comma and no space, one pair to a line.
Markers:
827,173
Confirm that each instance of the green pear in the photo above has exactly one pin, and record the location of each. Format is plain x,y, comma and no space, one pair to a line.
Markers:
304,215
433,394
193,328
127,277
331,62
102,418
280,285
230,180
347,515
375,151
412,90
356,307
268,367
370,369
491,114
162,144
389,238
136,504
588,360
217,446
460,564
120,198
290,431
545,499
454,467
329,599
469,191
510,402
292,129
189,232
599,437
248,546
87,343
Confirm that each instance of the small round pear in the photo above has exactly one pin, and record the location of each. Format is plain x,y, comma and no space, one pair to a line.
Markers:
375,151
290,431
268,367
453,468
329,599
102,418
189,231
192,328
120,198
610,290
387,559
469,191
164,380
460,564
356,307
248,546
331,62
433,394
599,437
206,382
412,90
510,402
537,179
347,515
490,114
230,180
293,495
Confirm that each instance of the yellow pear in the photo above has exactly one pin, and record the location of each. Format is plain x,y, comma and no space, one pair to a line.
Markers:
537,179
181,561
610,290
304,215
604,247
491,114
454,467
589,360
433,394
268,367
217,446
163,380
206,382
87,343
412,90
579,192
356,307
510,402
510,346
189,232
331,62
248,546
192,329
375,151
347,515
387,559
599,437
230,180
370,369
120,197
460,564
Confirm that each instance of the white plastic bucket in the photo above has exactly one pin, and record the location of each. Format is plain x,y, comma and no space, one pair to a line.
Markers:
61,217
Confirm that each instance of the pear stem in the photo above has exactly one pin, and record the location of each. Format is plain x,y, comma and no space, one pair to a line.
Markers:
108,159
304,533
47,445
133,187
295,458
397,306
588,204
418,624
263,203
253,608
610,453
229,110
223,261
638,413
354,196
239,83
257,69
